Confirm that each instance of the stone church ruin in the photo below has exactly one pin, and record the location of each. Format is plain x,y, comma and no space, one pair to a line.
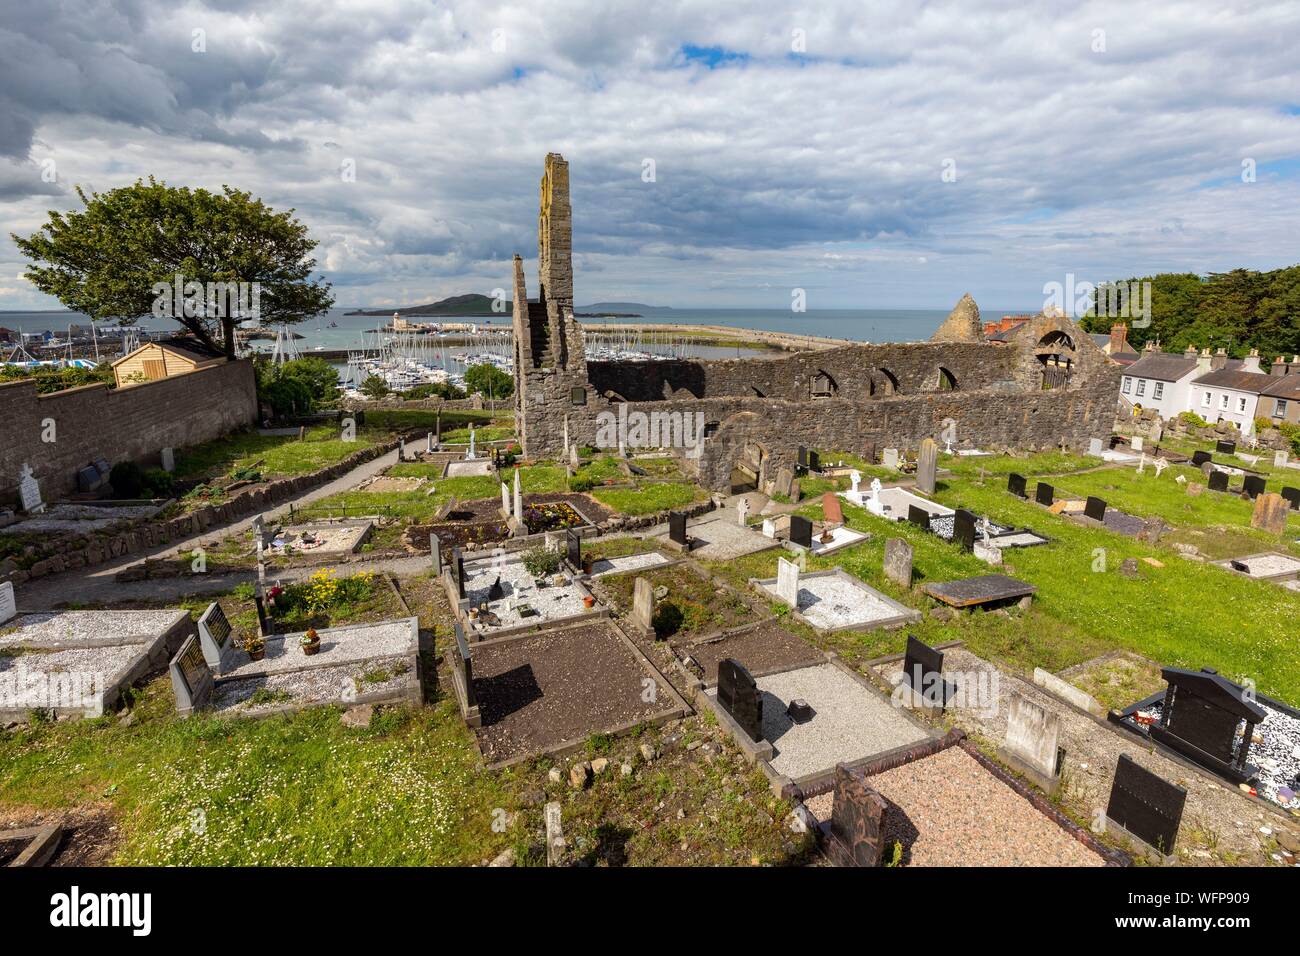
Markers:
1047,385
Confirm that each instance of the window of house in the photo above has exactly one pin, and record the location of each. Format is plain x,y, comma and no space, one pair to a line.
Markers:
1223,401
1205,400
1279,408
1241,404
1158,390
1142,387
1128,385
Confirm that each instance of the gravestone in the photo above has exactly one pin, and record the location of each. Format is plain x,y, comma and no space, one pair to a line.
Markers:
1032,742
643,604
1200,718
1137,443
1270,513
463,662
555,842
769,528
1095,448
923,672
856,835
742,511
1253,486
784,482
919,517
801,531
1146,806
505,500
1225,447
963,529
401,449
787,582
898,562
831,509
458,562
265,623
191,677
88,479
814,461
519,498
1200,457
1044,494
215,639
1095,508
29,491
739,696
8,605
428,443
1279,459
1292,495
103,467
573,548
677,527
927,460
1218,481
801,457
1016,485
890,458
435,555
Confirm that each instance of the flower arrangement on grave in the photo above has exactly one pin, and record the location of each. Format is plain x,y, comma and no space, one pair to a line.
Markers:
255,646
541,562
310,642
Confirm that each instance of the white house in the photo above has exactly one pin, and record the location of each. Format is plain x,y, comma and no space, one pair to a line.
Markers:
1161,382
1231,394
1215,387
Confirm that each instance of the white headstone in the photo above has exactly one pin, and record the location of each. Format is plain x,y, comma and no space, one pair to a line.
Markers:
29,491
8,605
874,504
1279,459
1159,465
505,499
566,435
1032,735
519,499
1142,464
855,477
769,528
890,458
1094,447
470,455
787,582
169,459
742,511
1137,443
428,442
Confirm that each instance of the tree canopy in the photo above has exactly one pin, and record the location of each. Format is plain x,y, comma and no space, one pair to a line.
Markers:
489,380
110,259
1238,310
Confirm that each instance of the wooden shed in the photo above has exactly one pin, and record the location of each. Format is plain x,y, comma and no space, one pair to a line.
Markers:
155,360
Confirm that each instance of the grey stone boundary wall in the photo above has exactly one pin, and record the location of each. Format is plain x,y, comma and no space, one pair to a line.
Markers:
132,423
475,403
149,533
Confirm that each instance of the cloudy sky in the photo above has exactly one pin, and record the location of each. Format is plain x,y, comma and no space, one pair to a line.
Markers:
876,155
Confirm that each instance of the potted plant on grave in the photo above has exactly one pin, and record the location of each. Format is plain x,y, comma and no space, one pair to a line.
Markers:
541,562
310,642
255,646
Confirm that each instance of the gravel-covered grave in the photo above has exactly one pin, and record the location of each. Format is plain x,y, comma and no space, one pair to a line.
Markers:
323,538
835,601
627,562
386,678
351,644
524,600
1269,565
840,538
948,810
850,721
539,691
719,538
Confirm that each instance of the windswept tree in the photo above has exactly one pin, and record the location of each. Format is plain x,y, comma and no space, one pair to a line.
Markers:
202,258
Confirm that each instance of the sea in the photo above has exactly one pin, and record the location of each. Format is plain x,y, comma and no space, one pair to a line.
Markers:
337,330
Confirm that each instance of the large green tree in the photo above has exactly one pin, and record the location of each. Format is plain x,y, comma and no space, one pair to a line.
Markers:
489,380
110,259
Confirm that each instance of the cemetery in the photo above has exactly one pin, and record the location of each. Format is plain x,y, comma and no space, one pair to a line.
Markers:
1265,566
340,536
547,692
833,600
500,594
679,602
763,648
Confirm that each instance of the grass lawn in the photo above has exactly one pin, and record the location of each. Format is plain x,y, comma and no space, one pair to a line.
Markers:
693,607
481,434
650,498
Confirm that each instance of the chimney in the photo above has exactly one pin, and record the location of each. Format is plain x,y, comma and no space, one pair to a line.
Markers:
1118,338
1251,362
1220,358
1189,352
1203,362
1279,366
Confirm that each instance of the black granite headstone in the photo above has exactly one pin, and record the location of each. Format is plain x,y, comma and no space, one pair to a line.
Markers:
1145,805
458,570
801,531
919,517
814,461
1016,484
1293,496
1095,508
573,542
1044,494
1253,486
265,624
923,672
802,459
739,695
1218,481
857,832
1200,719
963,529
1199,458
495,591
1226,447
677,527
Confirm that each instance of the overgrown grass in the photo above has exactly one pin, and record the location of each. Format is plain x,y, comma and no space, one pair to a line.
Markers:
650,498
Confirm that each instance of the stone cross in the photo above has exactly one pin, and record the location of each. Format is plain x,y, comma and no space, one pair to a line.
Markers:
519,498
742,511
926,463
876,487
1159,465
29,491
855,477
1142,464
787,582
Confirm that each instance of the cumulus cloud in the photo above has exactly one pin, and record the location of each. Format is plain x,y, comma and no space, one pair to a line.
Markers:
790,147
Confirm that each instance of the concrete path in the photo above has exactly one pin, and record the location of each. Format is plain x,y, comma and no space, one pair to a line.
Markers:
97,584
